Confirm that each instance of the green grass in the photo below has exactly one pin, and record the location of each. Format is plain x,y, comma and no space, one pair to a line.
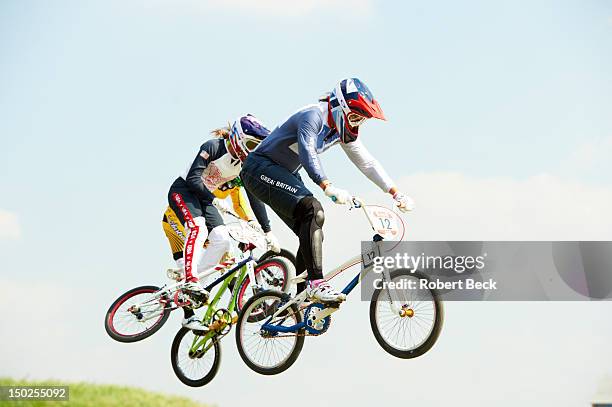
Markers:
95,395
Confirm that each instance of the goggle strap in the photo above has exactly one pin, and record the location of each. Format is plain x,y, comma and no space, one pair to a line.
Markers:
341,100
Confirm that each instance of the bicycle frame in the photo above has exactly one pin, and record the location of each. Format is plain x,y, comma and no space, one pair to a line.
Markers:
172,288
245,269
168,290
328,310
225,280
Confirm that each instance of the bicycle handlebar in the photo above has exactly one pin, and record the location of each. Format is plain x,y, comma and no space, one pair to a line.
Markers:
358,203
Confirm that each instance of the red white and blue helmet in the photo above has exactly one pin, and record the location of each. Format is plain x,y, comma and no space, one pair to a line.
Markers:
351,103
246,134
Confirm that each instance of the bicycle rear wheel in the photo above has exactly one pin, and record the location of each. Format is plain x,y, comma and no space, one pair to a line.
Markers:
274,273
197,368
136,315
414,326
268,353
284,253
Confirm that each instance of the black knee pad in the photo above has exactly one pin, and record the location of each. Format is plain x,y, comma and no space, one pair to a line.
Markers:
319,217
310,218
310,207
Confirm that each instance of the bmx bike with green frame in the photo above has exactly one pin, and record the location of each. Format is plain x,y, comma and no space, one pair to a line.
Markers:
196,355
140,312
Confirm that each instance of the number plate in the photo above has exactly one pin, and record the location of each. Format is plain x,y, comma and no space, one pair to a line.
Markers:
370,253
385,221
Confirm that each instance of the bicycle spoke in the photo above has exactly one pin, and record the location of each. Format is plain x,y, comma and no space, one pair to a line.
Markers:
194,367
262,349
407,332
129,323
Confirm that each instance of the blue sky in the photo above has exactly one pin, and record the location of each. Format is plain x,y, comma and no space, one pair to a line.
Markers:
102,104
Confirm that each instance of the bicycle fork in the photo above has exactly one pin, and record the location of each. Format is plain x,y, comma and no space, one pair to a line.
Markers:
251,273
391,294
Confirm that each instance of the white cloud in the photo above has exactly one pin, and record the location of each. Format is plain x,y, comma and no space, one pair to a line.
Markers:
48,318
542,207
280,8
9,225
593,154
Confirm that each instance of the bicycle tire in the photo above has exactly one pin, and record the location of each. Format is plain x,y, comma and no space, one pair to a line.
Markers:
427,344
295,352
287,275
109,323
174,355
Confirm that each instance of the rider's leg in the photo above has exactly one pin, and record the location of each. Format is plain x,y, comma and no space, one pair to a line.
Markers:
175,233
287,195
218,239
218,245
300,267
196,236
309,218
189,210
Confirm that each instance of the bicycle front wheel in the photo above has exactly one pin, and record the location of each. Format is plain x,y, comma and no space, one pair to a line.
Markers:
137,314
198,367
265,352
411,325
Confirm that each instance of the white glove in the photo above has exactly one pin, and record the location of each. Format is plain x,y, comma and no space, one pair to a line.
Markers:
273,243
403,202
221,205
339,196
255,226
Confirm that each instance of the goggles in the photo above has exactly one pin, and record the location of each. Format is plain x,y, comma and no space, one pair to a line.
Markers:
354,119
250,143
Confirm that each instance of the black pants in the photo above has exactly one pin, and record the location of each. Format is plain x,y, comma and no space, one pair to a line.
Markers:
287,195
195,206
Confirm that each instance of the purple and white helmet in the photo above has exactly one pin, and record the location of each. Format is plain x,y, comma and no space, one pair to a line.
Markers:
247,132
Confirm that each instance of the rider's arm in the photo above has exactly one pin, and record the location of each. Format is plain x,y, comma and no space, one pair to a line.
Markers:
368,165
209,152
259,209
241,207
309,127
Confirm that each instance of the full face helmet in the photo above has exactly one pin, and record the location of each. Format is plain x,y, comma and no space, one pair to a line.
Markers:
351,103
246,134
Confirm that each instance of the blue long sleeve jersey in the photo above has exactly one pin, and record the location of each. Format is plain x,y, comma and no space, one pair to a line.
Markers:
300,140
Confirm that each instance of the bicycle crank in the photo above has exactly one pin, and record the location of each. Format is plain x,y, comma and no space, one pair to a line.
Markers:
222,321
318,318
